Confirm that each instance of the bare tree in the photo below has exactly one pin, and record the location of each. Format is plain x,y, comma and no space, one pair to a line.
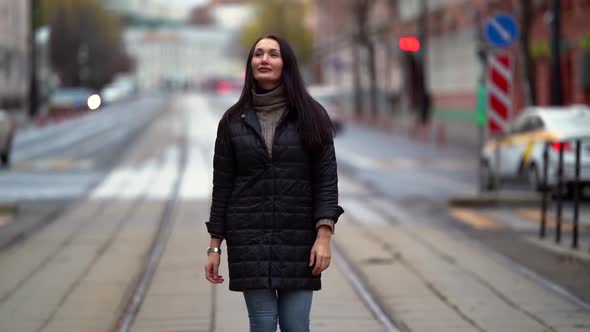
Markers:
528,71
391,49
361,11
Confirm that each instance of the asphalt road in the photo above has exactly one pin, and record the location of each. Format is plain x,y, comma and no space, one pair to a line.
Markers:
63,161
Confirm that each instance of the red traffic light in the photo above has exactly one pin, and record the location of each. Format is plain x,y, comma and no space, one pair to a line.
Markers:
409,44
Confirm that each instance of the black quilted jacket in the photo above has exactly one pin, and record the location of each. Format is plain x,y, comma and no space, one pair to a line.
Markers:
266,209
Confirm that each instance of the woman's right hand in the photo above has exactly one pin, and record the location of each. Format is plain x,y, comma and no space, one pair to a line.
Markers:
212,268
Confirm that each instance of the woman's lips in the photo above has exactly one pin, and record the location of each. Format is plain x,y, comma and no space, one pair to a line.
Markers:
264,70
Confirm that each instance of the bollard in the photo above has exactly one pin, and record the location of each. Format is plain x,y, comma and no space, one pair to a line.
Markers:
559,193
576,197
544,191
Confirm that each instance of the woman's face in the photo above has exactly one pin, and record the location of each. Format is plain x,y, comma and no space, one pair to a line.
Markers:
267,63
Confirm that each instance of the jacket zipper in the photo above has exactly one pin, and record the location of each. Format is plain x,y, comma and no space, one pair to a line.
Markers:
272,230
269,157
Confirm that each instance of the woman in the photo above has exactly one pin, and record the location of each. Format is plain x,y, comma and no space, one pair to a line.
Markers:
275,191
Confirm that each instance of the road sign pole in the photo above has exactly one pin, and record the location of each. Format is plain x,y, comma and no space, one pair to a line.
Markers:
499,92
481,52
481,122
500,30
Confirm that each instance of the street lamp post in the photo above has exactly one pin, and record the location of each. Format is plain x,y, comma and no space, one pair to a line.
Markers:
33,86
556,86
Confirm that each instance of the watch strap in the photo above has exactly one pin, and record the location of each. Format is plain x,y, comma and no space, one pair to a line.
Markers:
213,249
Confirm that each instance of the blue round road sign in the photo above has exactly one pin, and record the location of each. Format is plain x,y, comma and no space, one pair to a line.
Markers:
501,30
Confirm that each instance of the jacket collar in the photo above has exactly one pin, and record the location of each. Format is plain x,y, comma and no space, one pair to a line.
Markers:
251,119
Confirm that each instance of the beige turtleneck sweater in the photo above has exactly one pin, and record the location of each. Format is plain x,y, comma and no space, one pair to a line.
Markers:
270,108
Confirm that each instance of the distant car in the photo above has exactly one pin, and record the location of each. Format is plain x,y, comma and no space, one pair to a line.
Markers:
327,96
7,129
73,99
222,85
519,154
120,89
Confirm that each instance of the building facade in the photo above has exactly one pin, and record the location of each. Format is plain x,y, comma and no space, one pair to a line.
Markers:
176,56
148,9
450,50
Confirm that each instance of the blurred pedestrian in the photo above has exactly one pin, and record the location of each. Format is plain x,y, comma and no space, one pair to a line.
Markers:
275,191
424,115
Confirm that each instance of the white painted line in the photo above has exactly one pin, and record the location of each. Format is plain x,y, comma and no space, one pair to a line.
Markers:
503,123
503,97
197,181
112,184
502,69
503,33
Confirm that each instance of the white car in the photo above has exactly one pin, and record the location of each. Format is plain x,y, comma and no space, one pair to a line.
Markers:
7,128
519,154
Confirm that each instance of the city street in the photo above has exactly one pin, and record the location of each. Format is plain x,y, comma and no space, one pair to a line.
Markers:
109,235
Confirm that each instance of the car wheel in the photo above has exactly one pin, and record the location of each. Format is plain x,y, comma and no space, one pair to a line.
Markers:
487,178
533,178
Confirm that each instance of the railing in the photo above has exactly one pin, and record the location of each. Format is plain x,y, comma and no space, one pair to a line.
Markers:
559,190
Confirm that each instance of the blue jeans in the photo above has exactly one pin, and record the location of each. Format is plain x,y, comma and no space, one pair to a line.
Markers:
290,307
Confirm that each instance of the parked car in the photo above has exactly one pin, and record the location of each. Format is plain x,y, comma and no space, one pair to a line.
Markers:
519,154
73,99
328,97
7,129
120,89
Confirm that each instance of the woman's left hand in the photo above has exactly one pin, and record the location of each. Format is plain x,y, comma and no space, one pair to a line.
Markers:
321,253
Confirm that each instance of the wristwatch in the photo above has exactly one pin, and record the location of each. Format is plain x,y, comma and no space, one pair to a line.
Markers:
213,249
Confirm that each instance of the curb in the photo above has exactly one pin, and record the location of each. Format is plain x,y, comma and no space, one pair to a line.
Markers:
495,200
8,207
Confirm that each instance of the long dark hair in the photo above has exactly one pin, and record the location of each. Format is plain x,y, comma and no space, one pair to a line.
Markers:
313,123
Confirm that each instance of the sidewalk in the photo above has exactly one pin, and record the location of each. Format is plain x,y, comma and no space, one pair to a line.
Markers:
430,279
515,233
181,299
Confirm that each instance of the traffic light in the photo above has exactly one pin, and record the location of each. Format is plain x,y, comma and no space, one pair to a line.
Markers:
409,44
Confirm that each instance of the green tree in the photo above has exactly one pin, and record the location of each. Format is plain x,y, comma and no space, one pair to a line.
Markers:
284,18
86,46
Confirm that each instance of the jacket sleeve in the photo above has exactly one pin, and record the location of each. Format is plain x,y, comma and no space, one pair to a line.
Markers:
223,181
325,184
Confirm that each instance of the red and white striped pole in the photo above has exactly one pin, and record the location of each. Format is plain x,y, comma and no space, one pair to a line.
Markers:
499,87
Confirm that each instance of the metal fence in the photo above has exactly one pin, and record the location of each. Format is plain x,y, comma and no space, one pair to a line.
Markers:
576,186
